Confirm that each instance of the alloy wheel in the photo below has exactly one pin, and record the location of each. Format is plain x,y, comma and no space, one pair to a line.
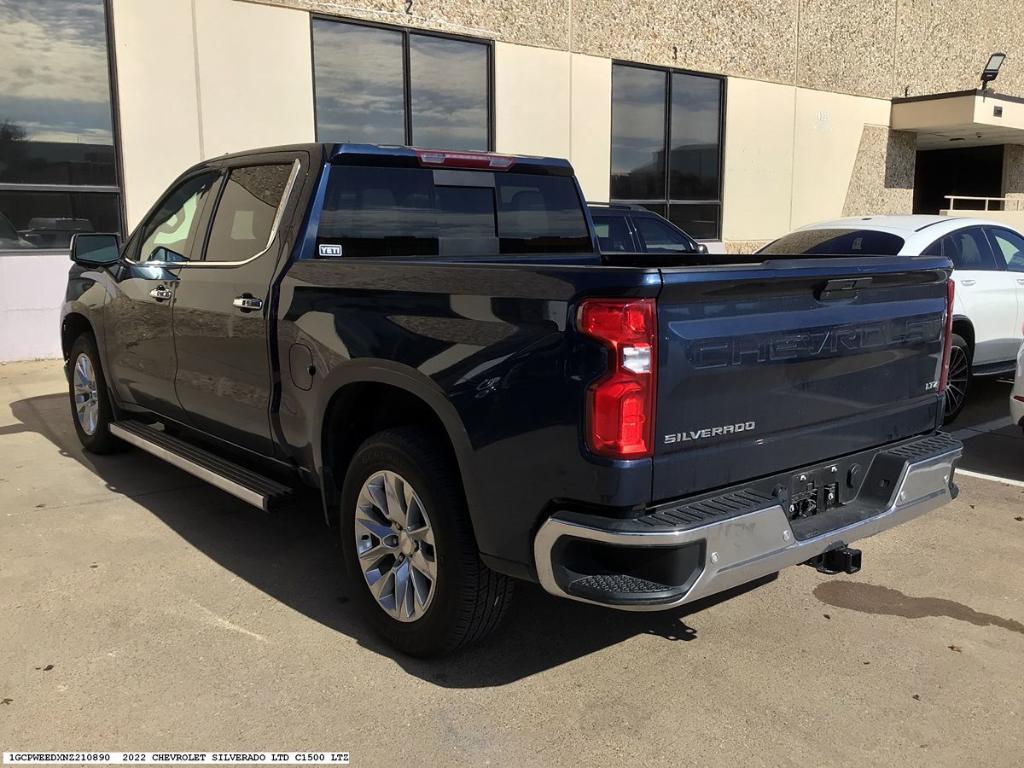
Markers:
87,404
395,546
957,379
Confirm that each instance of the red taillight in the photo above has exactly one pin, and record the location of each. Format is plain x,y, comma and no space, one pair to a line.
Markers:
620,405
478,160
947,339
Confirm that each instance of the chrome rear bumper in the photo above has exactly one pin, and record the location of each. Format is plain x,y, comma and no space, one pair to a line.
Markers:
747,547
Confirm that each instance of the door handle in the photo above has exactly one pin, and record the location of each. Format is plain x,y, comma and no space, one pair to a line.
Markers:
247,303
1020,281
160,293
968,282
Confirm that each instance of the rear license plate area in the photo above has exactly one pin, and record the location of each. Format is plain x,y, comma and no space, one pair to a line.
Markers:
813,493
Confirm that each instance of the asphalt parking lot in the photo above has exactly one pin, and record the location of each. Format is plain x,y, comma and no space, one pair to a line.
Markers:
142,609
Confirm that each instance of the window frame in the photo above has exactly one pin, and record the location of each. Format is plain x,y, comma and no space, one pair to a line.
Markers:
406,33
117,188
668,201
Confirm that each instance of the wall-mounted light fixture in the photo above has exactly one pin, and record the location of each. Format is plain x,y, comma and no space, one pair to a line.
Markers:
991,70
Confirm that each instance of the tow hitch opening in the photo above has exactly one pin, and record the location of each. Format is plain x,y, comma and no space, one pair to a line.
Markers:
841,560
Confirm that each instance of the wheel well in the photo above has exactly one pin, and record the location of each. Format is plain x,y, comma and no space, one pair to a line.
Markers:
358,411
962,327
74,325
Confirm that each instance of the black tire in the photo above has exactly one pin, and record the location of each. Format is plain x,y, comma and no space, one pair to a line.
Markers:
469,600
959,380
98,440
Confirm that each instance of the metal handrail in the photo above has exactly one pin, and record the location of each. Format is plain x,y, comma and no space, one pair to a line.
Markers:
987,200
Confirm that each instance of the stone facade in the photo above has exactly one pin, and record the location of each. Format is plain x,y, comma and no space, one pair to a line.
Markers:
1013,172
882,181
879,48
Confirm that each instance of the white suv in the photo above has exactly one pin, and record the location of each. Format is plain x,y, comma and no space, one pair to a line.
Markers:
988,261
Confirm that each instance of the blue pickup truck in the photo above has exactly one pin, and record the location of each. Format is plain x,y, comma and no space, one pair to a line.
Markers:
434,343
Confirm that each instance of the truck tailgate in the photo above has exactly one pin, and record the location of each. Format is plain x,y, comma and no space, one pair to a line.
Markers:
768,367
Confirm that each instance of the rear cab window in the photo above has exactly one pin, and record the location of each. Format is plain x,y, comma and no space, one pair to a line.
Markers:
382,211
835,242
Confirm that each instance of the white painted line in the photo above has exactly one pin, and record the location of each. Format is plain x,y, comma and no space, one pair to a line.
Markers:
980,476
988,426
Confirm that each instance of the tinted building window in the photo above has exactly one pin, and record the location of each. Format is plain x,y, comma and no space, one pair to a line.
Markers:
666,145
56,130
380,211
245,214
638,134
360,91
448,91
393,86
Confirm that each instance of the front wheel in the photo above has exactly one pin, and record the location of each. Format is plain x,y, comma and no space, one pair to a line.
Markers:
90,403
959,379
409,547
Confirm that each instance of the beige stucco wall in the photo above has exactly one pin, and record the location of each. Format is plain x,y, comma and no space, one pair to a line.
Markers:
531,100
591,124
184,94
557,104
758,181
256,91
793,156
156,82
827,136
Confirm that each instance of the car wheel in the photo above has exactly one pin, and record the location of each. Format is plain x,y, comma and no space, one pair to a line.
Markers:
959,378
409,548
90,402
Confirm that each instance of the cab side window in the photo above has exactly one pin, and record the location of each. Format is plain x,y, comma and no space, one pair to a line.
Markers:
968,249
168,235
246,212
1009,248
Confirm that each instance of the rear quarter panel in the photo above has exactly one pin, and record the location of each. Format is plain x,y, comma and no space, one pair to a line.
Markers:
490,347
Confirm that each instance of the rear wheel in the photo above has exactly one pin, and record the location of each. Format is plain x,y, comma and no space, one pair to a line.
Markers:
409,548
90,403
959,379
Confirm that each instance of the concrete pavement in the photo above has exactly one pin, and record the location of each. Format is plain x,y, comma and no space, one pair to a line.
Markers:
142,609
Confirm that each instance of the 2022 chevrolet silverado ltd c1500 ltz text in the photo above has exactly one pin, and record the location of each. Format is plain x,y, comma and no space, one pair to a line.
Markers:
434,342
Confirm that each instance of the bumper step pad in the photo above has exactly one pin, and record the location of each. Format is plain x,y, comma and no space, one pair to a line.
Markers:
720,541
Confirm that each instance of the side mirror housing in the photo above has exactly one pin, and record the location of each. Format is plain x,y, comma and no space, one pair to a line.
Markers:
702,248
95,249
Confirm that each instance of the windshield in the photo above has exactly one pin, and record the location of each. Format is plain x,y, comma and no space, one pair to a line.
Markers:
382,211
835,242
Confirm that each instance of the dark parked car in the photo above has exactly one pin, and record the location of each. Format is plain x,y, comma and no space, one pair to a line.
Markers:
623,228
433,343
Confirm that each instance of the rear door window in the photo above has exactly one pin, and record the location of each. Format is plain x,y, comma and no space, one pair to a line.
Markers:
398,212
613,234
659,237
835,242
246,212
968,249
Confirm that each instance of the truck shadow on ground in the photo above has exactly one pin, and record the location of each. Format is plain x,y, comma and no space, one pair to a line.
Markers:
295,559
